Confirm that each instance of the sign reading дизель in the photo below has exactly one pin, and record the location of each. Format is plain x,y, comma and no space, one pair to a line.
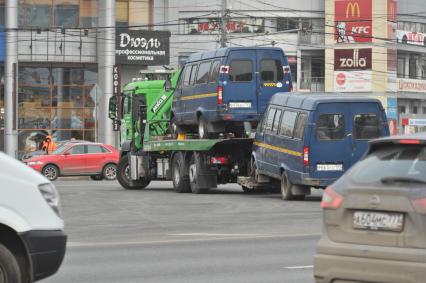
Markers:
142,47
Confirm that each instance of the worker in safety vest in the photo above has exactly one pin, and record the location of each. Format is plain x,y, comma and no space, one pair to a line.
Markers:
48,145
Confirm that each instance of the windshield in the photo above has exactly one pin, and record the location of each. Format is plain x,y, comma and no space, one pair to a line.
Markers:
392,162
60,149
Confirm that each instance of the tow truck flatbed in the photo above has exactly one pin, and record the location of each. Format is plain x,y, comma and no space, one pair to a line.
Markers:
194,144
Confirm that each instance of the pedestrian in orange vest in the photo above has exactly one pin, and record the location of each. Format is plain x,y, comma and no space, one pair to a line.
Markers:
48,145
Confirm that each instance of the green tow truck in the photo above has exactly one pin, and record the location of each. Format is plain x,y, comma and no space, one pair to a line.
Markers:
150,151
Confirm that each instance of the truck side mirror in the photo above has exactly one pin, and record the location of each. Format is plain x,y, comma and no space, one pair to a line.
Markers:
168,85
112,114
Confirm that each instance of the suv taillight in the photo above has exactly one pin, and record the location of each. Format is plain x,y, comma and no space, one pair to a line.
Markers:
420,205
331,199
219,95
305,156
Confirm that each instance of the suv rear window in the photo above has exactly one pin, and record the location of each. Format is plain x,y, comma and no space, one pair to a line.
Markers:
330,127
271,70
391,162
366,126
241,71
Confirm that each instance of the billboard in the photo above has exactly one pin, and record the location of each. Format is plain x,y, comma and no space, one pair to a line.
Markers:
352,59
352,81
353,21
411,37
2,44
410,85
142,47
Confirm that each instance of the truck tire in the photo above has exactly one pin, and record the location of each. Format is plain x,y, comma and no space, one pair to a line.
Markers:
194,175
124,179
9,267
179,174
287,187
174,128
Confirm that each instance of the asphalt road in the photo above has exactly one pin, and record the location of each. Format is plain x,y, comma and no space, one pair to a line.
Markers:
156,235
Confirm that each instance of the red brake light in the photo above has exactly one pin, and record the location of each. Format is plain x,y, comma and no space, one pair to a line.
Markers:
420,205
331,199
305,156
407,141
219,160
219,95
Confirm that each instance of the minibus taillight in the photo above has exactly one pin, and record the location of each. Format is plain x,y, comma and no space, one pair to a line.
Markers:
220,160
219,95
305,156
286,69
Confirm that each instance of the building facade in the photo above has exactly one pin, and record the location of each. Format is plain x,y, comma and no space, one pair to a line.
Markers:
60,59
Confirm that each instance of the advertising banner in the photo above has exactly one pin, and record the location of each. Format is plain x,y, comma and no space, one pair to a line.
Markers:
352,81
352,59
410,85
149,48
411,37
353,21
2,44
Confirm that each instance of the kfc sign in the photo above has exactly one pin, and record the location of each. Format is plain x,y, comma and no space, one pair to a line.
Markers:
352,59
353,21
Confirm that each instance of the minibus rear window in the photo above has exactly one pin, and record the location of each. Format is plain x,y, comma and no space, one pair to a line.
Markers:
271,70
241,71
330,127
366,126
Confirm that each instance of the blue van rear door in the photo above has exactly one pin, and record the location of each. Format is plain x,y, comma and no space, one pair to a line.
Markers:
239,91
367,123
330,145
270,78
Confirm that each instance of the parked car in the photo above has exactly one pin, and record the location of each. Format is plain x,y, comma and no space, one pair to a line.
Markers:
375,217
310,140
219,90
81,159
32,241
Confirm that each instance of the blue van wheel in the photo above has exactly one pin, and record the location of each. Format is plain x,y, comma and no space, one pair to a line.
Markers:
287,189
203,132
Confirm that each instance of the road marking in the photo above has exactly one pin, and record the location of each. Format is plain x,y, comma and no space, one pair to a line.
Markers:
171,241
222,235
299,267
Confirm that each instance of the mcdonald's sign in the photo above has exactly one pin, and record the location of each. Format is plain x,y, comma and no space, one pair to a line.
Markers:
352,9
353,21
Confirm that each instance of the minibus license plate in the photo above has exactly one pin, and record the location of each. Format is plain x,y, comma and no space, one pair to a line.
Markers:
239,104
329,167
378,221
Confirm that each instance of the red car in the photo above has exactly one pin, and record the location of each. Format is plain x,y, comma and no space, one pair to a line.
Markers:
99,161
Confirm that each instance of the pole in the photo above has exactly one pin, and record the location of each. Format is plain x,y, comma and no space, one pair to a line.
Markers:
223,22
106,61
10,79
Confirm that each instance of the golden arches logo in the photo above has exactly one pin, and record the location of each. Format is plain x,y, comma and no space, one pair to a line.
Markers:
353,7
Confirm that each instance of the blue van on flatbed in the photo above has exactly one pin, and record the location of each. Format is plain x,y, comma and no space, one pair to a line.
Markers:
221,89
310,140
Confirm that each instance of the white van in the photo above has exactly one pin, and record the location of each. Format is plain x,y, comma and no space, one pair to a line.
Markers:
32,240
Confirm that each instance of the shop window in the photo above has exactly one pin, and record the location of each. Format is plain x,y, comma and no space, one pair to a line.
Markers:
401,67
88,13
415,109
122,13
66,15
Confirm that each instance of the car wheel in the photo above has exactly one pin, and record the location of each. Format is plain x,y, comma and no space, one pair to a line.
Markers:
9,268
51,172
174,128
202,128
179,177
97,177
110,172
286,186
123,176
